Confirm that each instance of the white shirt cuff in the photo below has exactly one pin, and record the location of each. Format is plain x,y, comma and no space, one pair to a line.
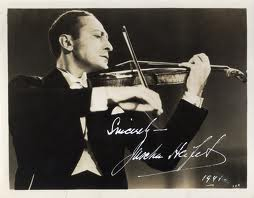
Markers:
193,99
99,100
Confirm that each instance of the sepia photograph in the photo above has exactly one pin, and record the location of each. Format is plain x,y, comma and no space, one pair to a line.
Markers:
127,98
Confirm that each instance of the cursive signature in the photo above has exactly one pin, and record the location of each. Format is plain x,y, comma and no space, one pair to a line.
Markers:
179,152
184,153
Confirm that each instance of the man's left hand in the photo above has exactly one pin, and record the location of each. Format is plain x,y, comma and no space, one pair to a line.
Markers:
200,69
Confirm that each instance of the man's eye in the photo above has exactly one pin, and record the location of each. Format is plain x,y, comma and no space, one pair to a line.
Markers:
97,36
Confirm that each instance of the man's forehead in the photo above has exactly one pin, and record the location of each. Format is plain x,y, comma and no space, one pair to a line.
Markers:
91,23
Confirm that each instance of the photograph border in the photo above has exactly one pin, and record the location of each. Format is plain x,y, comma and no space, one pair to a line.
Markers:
249,192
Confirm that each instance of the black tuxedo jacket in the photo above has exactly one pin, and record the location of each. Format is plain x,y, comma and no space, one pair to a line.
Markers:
44,120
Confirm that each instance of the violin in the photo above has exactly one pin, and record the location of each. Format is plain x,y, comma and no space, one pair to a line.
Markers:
151,73
155,73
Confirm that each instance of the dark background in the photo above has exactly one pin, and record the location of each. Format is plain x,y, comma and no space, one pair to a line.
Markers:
173,35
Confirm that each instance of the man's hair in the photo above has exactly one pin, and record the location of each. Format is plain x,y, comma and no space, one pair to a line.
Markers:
66,23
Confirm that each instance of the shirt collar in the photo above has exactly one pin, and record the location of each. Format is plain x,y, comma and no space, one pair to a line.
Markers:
73,80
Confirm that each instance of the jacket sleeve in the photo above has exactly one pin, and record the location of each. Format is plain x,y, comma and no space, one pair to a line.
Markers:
39,120
181,128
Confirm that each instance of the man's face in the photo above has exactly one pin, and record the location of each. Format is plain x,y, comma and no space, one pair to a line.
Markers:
91,49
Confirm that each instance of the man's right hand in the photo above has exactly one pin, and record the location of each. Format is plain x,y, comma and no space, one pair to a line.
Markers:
134,98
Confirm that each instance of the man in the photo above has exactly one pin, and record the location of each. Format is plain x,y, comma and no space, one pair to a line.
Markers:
61,125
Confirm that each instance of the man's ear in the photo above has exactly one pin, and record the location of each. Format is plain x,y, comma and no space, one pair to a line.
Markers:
66,42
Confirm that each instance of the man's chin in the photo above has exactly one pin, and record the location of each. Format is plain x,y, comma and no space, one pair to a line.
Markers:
105,67
99,67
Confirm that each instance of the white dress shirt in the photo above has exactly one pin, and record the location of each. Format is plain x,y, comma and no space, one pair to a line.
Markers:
86,161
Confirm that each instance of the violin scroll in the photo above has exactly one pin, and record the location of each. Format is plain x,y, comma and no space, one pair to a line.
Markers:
231,72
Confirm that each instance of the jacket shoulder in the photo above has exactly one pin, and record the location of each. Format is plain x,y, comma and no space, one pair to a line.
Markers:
22,81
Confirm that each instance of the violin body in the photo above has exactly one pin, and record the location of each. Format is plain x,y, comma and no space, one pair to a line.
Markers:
125,74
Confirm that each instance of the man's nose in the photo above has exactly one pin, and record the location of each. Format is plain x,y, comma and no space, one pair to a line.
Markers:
108,46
